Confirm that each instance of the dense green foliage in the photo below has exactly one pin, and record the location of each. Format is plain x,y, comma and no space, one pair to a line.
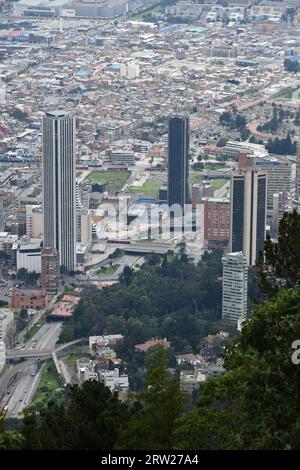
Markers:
232,120
169,297
283,146
278,115
291,65
255,404
279,265
151,426
91,420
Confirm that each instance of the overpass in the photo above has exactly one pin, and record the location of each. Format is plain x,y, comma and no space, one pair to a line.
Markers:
147,248
42,354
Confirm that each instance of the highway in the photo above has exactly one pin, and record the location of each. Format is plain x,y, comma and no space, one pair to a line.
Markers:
20,395
19,383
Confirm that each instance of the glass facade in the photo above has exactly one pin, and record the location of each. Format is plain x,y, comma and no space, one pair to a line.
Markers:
178,161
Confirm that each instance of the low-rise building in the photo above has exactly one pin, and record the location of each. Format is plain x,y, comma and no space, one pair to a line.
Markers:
97,343
86,371
152,342
29,255
29,298
114,381
190,380
192,359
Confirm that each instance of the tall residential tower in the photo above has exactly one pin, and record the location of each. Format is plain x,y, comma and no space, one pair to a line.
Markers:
235,289
59,176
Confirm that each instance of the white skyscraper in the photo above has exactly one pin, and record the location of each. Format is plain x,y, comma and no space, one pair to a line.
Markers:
59,173
235,287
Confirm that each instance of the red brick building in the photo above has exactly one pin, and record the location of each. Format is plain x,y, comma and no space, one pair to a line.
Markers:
216,222
29,298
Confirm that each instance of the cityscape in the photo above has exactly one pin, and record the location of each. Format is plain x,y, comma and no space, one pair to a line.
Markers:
149,225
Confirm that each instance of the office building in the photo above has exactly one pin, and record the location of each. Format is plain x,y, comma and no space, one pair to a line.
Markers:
29,298
34,221
248,213
201,190
122,158
49,270
29,255
178,161
235,287
59,186
216,222
279,175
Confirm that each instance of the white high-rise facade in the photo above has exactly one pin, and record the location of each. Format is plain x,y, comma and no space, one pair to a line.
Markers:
59,180
130,71
235,288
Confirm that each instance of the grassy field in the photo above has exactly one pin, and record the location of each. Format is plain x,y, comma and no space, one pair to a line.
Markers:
114,179
107,270
214,166
195,177
217,184
149,188
49,383
34,329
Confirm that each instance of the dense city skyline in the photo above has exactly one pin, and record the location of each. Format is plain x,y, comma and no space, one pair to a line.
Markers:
149,225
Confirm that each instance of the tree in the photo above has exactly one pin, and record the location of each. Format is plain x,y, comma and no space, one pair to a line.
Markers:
255,404
22,273
126,275
245,133
157,407
197,166
225,118
24,313
279,265
91,420
291,65
19,115
11,440
222,142
283,146
240,121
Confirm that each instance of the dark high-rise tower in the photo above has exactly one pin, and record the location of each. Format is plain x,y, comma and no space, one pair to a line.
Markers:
178,161
59,186
248,213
